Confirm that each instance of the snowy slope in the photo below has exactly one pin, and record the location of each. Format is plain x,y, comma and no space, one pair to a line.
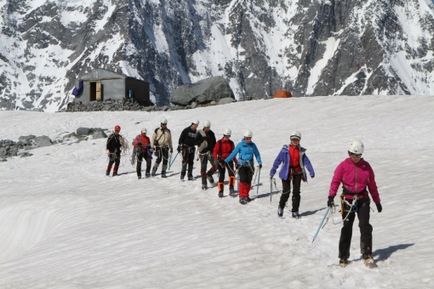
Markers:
64,224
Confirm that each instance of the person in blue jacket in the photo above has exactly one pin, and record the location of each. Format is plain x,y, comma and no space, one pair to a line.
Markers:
246,149
295,162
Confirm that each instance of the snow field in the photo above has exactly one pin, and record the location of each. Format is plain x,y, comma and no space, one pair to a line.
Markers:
64,224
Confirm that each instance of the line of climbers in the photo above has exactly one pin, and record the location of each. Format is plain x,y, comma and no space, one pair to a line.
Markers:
354,173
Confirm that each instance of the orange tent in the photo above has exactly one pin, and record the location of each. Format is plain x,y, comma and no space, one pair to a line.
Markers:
281,93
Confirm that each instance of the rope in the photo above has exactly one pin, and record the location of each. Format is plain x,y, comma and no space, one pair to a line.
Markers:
351,205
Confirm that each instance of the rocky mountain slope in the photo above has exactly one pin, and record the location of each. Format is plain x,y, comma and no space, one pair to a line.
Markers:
320,47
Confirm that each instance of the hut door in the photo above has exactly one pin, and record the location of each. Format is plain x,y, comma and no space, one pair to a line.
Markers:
99,94
96,91
92,91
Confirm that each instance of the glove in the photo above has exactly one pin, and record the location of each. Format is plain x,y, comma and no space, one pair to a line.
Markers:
330,202
312,176
179,148
379,207
171,151
260,166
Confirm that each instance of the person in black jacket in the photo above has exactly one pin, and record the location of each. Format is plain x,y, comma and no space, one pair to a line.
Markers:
206,143
114,145
186,146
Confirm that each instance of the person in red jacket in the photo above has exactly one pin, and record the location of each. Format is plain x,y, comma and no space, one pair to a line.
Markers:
357,178
142,150
222,150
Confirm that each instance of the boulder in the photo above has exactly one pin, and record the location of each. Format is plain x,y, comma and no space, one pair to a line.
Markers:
83,131
42,141
3,152
26,139
98,133
202,92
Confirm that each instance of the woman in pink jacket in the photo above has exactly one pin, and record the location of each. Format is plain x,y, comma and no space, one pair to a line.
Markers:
357,178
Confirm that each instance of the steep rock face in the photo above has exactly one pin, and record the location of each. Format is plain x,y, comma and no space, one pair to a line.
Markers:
321,47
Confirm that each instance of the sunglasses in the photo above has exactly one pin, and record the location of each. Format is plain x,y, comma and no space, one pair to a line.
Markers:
355,155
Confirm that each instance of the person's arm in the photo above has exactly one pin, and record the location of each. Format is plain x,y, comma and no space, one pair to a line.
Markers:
336,181
169,140
257,155
372,187
309,166
233,153
276,163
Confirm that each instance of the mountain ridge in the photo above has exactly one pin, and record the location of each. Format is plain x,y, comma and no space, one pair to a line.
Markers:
309,47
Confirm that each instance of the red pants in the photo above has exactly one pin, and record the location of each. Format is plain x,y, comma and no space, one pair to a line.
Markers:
244,189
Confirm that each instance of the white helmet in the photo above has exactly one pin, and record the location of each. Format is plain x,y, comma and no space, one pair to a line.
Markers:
206,123
144,130
248,133
227,132
295,135
195,122
163,120
356,147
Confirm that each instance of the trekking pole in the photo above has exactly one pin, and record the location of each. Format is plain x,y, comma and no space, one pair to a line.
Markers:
173,160
255,173
322,224
272,181
275,185
170,157
257,186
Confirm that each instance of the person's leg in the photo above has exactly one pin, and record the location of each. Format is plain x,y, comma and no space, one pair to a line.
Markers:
286,190
184,162
220,186
117,162
212,169
250,172
139,157
346,232
203,163
148,159
157,161
296,183
165,153
231,173
244,184
363,214
109,166
191,152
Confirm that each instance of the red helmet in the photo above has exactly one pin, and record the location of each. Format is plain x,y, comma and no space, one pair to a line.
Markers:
117,127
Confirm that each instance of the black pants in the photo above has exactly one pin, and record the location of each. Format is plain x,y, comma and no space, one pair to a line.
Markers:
246,174
143,156
114,158
222,170
362,210
286,190
162,154
204,159
187,161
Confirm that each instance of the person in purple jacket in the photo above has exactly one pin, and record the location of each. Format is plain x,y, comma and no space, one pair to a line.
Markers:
357,178
294,164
